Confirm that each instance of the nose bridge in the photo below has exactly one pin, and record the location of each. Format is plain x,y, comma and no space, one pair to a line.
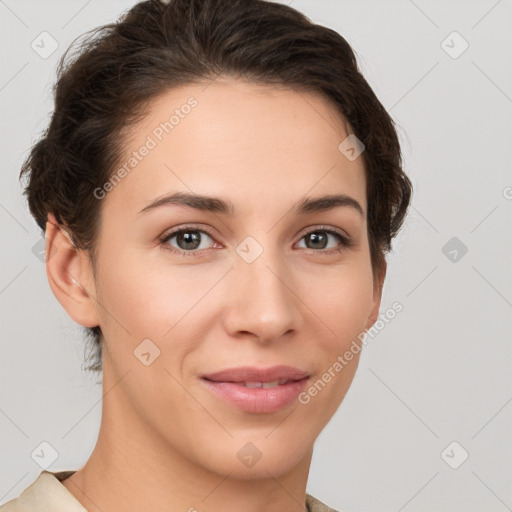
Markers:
263,302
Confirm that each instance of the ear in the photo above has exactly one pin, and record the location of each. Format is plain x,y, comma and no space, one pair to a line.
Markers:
70,275
378,284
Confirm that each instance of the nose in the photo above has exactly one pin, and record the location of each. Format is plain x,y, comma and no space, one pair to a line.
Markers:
262,298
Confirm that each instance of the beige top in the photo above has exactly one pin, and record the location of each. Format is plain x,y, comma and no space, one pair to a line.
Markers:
47,493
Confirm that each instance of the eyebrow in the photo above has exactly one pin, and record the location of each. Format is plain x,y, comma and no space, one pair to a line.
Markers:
222,206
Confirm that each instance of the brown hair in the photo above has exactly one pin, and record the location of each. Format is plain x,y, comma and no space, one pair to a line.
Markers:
106,80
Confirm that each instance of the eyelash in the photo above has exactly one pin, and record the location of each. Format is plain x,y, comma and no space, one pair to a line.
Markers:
345,241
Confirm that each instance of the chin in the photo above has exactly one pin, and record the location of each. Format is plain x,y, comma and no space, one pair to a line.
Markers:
247,460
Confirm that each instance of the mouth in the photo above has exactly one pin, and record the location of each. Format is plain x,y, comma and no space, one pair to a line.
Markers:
255,385
273,376
256,390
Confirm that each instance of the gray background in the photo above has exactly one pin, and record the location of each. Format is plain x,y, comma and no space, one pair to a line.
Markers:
439,372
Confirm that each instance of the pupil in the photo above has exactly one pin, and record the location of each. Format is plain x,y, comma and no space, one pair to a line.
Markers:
315,237
191,241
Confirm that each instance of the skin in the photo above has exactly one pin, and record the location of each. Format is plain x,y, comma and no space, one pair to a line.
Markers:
165,440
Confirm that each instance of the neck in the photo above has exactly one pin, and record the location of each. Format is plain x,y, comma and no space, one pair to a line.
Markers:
133,468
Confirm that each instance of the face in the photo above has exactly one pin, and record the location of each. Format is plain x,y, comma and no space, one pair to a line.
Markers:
183,292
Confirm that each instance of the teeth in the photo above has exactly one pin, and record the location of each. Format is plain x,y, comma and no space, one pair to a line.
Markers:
270,384
252,384
265,384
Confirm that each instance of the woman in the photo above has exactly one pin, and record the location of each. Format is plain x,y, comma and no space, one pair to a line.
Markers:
218,187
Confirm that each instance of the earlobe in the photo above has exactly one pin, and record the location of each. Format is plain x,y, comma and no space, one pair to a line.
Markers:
70,275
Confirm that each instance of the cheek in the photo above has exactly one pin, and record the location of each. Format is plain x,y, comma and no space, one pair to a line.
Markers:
132,297
151,300
342,306
343,301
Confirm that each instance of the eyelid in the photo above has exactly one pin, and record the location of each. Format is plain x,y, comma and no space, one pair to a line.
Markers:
329,229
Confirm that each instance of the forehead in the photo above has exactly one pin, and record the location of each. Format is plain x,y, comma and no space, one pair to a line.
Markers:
238,138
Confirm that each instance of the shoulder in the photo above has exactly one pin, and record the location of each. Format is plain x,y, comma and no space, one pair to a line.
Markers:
45,494
314,505
10,506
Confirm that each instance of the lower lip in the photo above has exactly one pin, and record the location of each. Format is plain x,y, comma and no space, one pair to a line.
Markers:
258,400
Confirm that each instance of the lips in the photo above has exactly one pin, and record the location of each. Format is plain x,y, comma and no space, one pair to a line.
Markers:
257,390
258,377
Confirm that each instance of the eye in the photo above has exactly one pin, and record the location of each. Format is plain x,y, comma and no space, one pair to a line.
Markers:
188,239
317,239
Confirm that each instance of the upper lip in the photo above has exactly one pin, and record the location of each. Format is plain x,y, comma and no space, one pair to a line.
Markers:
253,374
